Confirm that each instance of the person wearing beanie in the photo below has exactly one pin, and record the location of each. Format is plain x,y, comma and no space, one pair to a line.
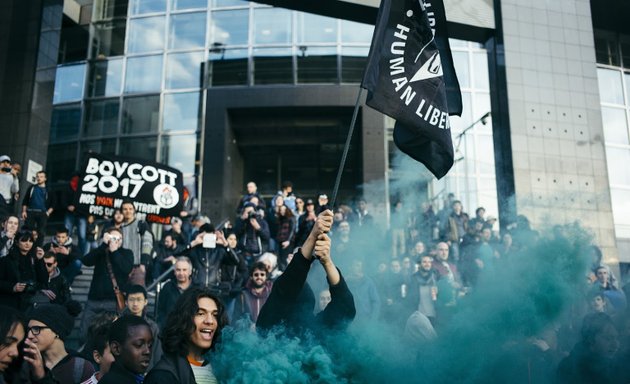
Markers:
49,325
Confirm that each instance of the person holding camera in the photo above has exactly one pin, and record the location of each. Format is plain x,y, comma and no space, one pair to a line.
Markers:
112,265
22,272
252,231
10,227
9,186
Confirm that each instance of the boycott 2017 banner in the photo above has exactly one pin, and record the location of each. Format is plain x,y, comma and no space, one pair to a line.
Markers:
156,190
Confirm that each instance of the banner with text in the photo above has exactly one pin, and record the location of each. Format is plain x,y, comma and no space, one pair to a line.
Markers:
156,190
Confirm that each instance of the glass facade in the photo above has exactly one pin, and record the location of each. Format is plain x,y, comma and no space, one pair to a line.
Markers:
141,90
613,74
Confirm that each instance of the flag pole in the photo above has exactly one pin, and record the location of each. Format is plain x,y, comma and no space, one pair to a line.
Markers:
345,150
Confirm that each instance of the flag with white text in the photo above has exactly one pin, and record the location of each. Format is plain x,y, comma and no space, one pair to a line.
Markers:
410,76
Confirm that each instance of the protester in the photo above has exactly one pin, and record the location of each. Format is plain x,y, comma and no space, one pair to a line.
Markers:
173,289
38,204
139,240
10,228
136,299
12,331
254,295
58,290
130,341
193,328
49,327
9,186
67,254
101,353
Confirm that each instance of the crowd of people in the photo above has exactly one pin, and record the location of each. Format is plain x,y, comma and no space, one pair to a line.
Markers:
258,271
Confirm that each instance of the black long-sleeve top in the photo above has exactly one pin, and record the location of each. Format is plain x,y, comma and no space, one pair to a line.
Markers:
101,287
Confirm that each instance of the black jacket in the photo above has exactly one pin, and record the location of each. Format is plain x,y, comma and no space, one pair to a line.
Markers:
168,297
171,369
292,301
118,375
64,260
101,287
208,265
16,268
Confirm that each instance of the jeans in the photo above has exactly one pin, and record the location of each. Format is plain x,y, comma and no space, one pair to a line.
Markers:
70,221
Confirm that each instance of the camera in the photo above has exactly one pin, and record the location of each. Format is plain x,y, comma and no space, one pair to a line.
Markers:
252,215
30,286
6,169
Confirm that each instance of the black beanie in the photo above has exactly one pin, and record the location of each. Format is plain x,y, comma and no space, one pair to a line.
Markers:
59,318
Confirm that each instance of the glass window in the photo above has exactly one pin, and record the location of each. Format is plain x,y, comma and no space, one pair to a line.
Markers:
606,49
189,4
455,43
105,78
272,26
615,125
620,199
485,154
187,30
144,74
139,147
352,32
69,83
182,111
108,39
627,81
61,161
180,152
104,147
65,122
481,107
146,34
101,117
316,29
140,114
624,44
480,66
460,60
227,67
108,9
317,64
610,89
139,7
184,70
353,61
459,123
230,27
229,3
618,160
273,66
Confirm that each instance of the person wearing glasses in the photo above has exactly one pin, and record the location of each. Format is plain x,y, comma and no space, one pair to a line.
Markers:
109,256
22,273
49,326
254,295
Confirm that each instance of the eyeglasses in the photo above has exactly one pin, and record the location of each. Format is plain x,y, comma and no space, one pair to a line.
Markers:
49,264
116,238
136,300
36,329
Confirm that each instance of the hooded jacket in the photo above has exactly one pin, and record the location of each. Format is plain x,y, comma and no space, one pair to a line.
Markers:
64,260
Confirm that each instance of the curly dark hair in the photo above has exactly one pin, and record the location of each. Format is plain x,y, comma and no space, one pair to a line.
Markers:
180,323
9,319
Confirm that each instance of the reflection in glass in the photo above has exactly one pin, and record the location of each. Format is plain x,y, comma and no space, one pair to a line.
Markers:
352,32
230,27
610,89
618,160
108,39
101,117
144,74
61,161
69,83
181,112
108,9
615,125
481,107
480,66
227,67
65,122
140,114
105,78
316,29
273,66
272,26
184,70
229,3
460,59
146,34
139,7
180,152
187,30
104,147
317,64
353,61
189,4
140,147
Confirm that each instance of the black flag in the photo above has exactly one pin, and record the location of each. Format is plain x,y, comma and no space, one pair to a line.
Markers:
409,70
